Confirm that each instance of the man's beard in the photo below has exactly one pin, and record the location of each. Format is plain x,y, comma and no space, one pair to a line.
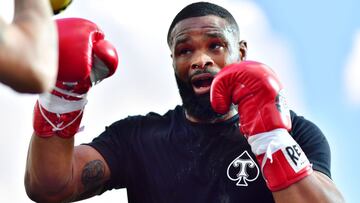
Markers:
197,106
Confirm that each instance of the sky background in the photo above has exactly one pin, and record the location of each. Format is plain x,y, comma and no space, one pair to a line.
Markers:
314,46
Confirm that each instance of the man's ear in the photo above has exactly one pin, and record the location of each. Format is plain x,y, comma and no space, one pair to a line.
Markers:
243,49
173,62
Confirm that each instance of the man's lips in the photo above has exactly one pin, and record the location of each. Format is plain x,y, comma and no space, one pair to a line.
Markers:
201,83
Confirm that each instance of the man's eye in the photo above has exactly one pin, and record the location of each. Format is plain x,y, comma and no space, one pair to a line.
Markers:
184,51
216,45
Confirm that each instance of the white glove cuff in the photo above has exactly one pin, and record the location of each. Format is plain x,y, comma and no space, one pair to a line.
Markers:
269,142
55,104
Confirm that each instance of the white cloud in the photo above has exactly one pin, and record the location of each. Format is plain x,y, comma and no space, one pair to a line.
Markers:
352,73
144,81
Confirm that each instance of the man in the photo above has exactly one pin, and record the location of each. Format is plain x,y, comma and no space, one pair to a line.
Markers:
232,140
28,46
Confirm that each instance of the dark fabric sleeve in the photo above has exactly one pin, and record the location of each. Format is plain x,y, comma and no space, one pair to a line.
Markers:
313,142
114,145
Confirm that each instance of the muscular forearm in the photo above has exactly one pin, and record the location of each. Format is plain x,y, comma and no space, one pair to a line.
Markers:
49,169
314,188
40,7
28,48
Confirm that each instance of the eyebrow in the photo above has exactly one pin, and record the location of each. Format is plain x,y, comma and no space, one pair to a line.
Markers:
184,39
181,39
216,35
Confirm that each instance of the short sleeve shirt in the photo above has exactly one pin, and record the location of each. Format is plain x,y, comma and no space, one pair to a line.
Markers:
166,158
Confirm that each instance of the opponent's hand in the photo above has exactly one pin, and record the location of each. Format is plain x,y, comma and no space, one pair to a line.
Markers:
85,58
264,120
59,5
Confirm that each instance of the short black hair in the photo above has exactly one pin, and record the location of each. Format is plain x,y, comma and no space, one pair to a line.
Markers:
199,9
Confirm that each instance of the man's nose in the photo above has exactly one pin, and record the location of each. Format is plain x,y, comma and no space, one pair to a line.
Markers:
201,61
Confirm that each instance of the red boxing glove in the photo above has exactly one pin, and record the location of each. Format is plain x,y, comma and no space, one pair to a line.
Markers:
85,59
264,120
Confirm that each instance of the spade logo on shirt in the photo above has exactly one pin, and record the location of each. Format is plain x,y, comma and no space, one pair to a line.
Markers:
243,169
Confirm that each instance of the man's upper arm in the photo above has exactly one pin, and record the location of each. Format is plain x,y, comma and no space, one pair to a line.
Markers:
313,142
90,172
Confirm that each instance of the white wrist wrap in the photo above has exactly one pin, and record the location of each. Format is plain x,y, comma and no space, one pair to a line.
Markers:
268,143
55,104
59,105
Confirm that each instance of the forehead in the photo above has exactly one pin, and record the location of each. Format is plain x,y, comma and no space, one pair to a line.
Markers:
199,25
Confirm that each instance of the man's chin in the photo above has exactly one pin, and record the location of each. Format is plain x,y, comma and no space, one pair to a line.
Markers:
201,110
196,103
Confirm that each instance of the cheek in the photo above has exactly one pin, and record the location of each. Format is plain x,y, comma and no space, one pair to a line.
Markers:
231,58
181,68
234,55
220,60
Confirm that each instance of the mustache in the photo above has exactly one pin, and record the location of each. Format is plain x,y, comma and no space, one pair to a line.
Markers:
199,72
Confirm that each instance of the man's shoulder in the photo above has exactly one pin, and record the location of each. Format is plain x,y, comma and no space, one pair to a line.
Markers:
304,129
300,121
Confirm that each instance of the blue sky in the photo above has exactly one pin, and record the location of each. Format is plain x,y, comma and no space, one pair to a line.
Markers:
310,44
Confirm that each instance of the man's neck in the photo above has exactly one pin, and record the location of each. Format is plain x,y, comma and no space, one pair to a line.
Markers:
232,112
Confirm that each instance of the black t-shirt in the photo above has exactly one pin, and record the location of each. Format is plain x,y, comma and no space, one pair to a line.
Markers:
166,158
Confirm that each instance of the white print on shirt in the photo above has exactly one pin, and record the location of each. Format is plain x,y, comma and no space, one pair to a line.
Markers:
243,169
